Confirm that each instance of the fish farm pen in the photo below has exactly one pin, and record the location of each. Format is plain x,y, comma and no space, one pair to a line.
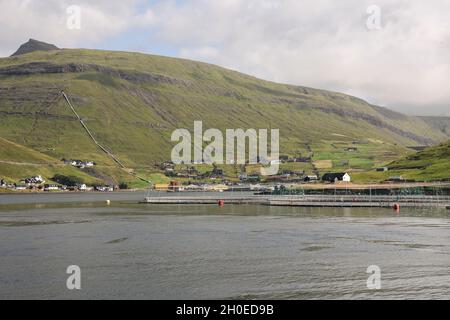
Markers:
382,191
382,201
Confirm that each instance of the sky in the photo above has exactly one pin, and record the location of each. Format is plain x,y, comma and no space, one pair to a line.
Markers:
392,53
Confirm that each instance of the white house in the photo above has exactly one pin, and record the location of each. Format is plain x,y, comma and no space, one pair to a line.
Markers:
347,178
83,187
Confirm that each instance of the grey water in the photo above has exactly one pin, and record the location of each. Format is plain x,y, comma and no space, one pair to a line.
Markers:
129,250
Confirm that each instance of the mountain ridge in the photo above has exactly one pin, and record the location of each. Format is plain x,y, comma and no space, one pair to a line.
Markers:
34,45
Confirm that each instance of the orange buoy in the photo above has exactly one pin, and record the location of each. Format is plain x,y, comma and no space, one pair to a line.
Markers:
396,207
221,203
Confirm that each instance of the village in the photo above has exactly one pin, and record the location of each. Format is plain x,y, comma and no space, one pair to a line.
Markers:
37,183
184,178
242,177
193,178
189,178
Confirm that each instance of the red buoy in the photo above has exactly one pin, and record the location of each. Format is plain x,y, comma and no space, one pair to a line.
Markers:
221,203
396,207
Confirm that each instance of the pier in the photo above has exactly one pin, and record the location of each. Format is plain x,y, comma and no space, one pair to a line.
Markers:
207,200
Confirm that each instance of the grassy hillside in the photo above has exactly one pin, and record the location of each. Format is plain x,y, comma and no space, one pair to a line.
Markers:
18,162
132,102
432,164
12,152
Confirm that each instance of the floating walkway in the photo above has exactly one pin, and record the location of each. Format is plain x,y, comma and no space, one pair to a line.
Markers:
310,201
207,200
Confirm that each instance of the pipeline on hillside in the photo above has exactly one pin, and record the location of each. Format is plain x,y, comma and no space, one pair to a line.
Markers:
109,153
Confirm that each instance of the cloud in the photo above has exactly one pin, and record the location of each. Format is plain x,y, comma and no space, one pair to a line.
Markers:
317,43
324,44
47,21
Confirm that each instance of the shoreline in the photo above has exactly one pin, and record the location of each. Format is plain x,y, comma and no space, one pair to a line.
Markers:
26,192
312,186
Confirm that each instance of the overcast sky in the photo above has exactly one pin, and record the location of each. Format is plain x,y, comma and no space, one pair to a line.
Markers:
402,63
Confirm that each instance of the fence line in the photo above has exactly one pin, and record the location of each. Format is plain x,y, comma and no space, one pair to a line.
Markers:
109,153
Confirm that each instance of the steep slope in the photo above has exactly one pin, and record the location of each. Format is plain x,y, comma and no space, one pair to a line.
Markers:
440,123
132,103
34,45
12,152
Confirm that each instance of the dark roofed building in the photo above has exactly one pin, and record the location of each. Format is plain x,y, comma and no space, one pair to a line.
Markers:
336,177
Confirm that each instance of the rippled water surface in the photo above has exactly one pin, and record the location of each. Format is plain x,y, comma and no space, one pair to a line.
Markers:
136,251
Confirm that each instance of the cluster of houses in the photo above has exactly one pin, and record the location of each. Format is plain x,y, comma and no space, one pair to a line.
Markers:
191,173
79,163
298,177
285,176
36,180
247,183
37,183
302,177
288,176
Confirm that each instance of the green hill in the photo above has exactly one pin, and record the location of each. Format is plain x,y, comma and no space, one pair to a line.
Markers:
432,164
18,162
12,152
132,102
